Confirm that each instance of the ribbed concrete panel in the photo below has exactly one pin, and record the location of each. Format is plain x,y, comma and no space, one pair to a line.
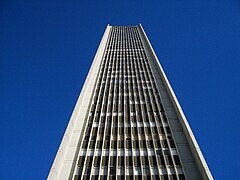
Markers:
65,160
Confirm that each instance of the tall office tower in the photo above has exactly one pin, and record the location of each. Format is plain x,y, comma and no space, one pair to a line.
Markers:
127,123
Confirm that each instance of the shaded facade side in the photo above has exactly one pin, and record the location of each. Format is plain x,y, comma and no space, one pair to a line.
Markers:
194,164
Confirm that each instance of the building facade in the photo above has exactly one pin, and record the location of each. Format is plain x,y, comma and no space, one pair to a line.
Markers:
127,123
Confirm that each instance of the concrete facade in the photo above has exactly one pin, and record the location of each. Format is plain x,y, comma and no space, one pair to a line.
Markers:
123,47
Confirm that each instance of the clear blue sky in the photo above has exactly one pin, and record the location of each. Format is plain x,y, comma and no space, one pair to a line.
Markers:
46,49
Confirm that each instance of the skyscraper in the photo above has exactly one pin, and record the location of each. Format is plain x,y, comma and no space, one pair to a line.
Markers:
127,123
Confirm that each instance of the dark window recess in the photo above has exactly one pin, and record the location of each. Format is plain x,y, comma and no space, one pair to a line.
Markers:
101,130
98,108
164,177
84,145
120,177
152,160
106,144
139,177
120,118
107,131
129,177
86,177
137,161
145,161
176,160
112,177
154,130
173,177
142,144
135,144
155,177
105,160
120,144
134,130
88,129
169,136
158,144
161,130
103,177
86,138
150,144
81,160
94,177
90,118
92,144
169,160
77,177
89,160
165,145
99,144
146,177
120,160
172,144
113,160
128,144
147,130
114,131
129,161
128,130
93,137
168,130
140,130
161,160
159,152
121,131
97,160
181,177
112,171
114,144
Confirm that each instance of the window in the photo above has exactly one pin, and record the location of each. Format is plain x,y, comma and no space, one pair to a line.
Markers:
106,144
81,160
137,161
114,144
142,144
152,160
97,161
120,144
169,160
89,160
103,177
144,160
99,144
84,145
129,177
176,160
150,144
92,144
129,161
135,144
112,171
120,160
128,144
113,160
105,160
